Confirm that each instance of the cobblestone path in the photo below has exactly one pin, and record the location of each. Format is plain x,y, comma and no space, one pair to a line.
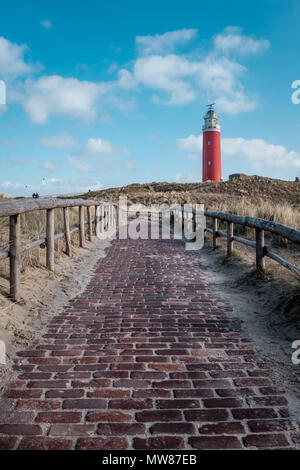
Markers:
147,357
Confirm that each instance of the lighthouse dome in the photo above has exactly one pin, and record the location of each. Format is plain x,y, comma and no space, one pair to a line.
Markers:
211,120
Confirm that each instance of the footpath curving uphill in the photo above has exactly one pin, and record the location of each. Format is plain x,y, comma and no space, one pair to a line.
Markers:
146,357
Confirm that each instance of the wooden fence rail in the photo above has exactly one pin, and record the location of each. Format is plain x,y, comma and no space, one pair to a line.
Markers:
14,209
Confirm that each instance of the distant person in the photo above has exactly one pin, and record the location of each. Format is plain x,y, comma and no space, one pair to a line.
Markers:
35,195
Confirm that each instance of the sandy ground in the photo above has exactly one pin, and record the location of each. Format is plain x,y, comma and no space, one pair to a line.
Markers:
43,295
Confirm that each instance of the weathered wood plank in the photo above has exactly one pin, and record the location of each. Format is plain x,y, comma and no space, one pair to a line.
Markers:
214,231
58,236
34,244
28,205
255,222
97,218
67,231
102,227
15,255
244,241
220,233
260,242
229,238
81,227
282,261
50,240
90,227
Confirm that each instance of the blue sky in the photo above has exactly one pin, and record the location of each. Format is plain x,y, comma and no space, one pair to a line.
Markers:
107,93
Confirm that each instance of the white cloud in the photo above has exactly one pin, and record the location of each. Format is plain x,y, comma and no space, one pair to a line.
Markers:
174,79
259,152
162,43
2,93
12,62
59,141
72,97
79,164
10,184
236,102
126,80
129,165
181,80
167,74
191,144
221,78
232,40
49,166
98,147
96,150
47,24
180,178
75,185
57,95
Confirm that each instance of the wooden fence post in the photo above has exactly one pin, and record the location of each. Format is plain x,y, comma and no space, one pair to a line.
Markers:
101,218
81,227
90,228
116,212
50,239
67,231
215,230
229,238
108,217
97,219
15,255
194,225
260,242
114,216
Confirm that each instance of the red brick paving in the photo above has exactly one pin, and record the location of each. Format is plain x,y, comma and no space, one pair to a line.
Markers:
146,357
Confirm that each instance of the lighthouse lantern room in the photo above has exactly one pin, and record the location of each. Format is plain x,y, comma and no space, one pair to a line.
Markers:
211,163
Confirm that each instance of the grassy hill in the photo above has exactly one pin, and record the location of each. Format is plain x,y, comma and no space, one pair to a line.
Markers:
258,196
251,187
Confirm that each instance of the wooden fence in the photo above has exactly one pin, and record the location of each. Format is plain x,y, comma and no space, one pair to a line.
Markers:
14,209
261,226
188,215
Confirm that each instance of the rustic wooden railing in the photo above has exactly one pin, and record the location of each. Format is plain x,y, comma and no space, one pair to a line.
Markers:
188,215
14,209
261,226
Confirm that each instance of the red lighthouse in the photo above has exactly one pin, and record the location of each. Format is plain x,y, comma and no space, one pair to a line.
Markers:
211,162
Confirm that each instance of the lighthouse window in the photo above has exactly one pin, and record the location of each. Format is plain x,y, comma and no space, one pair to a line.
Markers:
209,142
209,163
